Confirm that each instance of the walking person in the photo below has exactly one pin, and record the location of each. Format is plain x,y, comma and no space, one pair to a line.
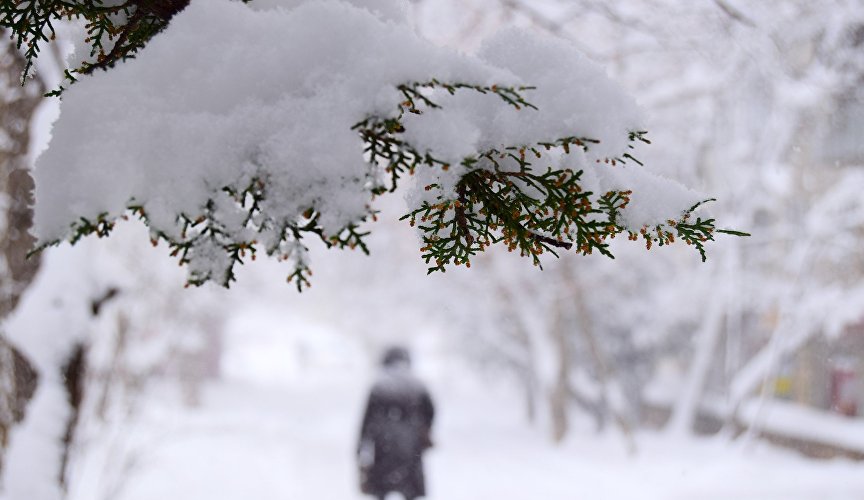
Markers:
395,431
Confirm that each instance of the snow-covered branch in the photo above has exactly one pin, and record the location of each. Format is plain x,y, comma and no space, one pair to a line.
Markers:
290,121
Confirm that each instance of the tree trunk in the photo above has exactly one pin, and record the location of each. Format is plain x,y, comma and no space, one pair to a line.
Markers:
708,337
605,373
18,106
559,393
17,385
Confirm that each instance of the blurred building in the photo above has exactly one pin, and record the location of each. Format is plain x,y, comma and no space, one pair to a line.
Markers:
827,374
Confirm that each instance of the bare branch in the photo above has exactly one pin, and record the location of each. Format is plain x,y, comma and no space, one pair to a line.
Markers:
535,16
734,13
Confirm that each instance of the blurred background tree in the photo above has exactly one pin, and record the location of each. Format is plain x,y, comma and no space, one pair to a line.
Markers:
18,107
764,105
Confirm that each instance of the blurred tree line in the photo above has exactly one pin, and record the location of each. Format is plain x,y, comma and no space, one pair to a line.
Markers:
758,104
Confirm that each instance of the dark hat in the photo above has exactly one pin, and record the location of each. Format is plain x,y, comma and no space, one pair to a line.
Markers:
396,355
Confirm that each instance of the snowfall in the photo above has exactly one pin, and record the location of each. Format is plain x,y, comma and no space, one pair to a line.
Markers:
283,426
279,416
280,419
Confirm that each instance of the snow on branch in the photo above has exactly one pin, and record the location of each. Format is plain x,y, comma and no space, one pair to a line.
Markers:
237,130
115,29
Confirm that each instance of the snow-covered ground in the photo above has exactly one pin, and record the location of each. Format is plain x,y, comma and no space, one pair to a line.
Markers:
271,430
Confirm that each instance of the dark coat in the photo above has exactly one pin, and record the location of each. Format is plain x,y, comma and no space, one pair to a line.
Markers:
394,435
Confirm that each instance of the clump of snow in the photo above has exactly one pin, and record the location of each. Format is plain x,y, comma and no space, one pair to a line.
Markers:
230,93
655,199
32,463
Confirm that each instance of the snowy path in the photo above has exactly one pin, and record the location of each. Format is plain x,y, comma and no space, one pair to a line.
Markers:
273,442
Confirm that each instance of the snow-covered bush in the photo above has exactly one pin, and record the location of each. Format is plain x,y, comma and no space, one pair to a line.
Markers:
243,127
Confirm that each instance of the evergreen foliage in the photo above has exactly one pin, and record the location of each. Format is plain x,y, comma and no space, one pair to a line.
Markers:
507,195
115,29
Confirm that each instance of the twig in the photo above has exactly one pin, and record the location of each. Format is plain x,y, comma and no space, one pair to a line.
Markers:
566,245
535,16
734,13
460,215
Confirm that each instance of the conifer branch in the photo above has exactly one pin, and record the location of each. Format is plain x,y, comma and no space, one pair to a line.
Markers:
502,198
125,28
